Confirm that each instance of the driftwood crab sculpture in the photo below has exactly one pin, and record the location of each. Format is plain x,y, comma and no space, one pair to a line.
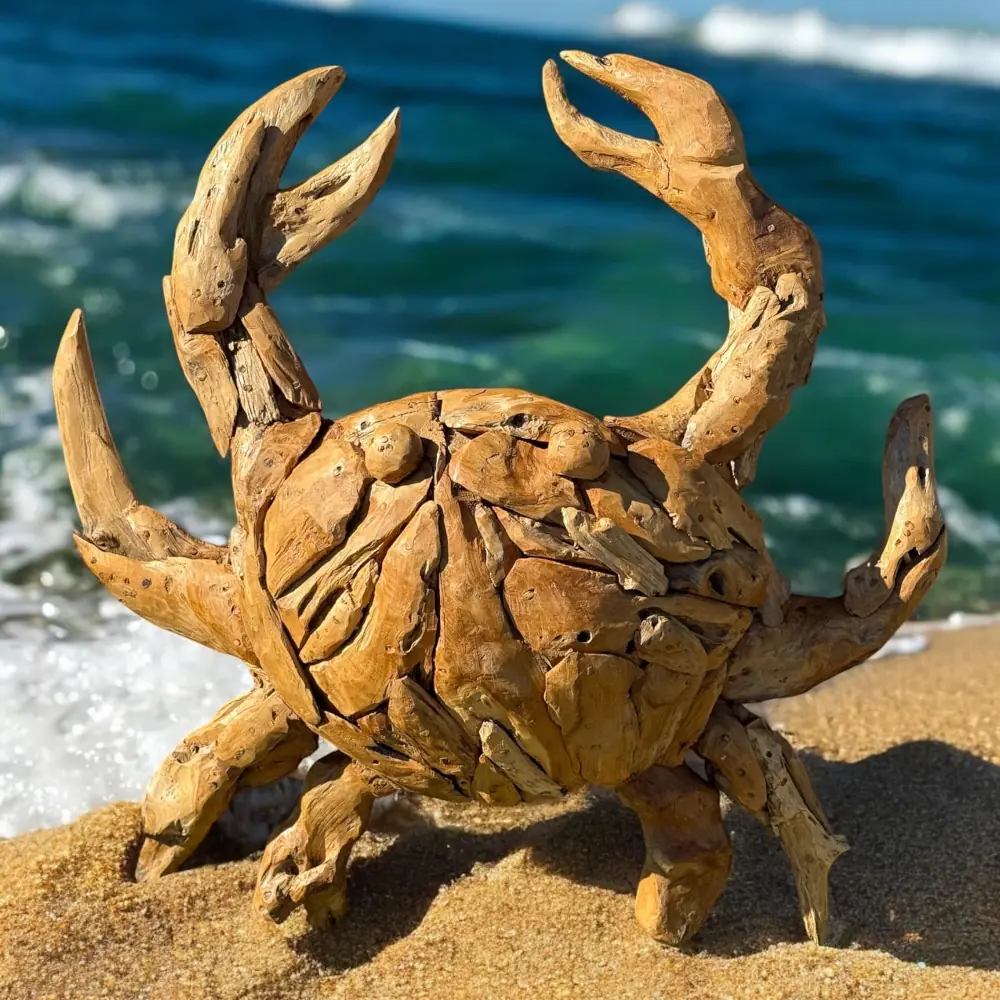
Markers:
486,594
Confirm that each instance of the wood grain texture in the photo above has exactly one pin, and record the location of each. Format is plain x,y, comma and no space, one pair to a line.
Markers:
688,856
311,510
399,630
512,473
765,263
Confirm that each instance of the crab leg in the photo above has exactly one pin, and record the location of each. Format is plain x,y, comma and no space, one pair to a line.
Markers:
251,741
306,862
765,263
820,636
760,770
688,856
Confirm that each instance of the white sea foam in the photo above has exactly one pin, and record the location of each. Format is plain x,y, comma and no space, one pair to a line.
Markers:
93,697
88,720
642,18
808,36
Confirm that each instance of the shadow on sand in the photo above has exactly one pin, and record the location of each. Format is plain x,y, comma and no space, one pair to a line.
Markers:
921,881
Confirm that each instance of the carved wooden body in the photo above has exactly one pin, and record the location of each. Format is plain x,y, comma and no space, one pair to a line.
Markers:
484,594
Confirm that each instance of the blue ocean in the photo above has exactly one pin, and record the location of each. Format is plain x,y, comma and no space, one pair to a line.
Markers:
493,257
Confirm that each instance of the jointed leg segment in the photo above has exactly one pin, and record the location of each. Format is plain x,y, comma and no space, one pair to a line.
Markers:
252,741
306,862
688,856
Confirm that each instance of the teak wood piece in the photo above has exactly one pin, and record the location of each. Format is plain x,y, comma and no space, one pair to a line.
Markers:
484,594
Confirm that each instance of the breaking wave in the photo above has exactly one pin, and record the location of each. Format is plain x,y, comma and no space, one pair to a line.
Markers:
808,36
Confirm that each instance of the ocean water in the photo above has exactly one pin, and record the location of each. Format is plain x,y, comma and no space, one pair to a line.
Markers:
492,257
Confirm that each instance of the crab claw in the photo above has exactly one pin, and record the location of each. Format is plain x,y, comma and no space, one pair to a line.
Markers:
823,636
240,224
913,518
600,147
756,250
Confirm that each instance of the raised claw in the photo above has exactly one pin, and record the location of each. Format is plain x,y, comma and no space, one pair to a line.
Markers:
756,251
239,223
597,145
823,636
913,518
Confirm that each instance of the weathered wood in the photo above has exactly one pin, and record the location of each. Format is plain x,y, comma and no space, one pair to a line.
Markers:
195,784
196,598
913,519
820,638
735,767
492,787
305,862
662,698
206,367
520,414
696,717
621,497
111,516
384,513
765,263
535,538
577,450
737,576
403,772
417,411
512,473
311,510
810,844
688,856
302,219
482,670
613,548
699,501
258,395
588,695
334,627
502,749
262,460
279,358
558,608
392,452
513,637
435,736
399,629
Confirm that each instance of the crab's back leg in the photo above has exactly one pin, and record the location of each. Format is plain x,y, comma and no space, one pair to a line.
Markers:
251,741
765,262
759,769
821,637
305,864
688,856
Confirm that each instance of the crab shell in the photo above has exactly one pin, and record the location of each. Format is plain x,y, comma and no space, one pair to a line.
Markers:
491,594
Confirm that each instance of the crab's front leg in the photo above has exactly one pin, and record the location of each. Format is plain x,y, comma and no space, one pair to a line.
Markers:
306,862
252,741
688,856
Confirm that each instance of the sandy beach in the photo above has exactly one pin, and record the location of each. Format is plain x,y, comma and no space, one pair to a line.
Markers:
451,902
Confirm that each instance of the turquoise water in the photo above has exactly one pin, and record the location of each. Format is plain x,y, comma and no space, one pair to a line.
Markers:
493,257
